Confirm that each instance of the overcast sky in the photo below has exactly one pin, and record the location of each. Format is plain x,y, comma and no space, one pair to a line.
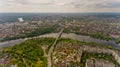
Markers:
59,5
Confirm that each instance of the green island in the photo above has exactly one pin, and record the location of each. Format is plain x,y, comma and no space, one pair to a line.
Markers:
31,53
28,53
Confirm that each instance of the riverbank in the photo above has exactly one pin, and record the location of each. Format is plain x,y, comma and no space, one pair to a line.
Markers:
64,35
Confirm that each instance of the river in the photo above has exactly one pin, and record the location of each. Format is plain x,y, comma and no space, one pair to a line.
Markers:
64,35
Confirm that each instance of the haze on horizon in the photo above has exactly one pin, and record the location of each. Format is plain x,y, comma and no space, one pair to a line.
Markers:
60,6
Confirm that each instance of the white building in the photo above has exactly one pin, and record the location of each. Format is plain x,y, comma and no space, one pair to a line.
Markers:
20,19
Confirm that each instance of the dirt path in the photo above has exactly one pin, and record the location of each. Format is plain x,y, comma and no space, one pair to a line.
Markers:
44,49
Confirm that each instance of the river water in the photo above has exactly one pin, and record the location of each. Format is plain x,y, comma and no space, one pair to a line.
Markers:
64,35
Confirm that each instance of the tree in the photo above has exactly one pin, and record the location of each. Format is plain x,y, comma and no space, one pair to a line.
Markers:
39,63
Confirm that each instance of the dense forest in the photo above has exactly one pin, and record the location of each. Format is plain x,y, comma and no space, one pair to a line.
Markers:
28,53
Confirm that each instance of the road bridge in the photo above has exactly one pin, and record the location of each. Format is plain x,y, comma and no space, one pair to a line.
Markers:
49,64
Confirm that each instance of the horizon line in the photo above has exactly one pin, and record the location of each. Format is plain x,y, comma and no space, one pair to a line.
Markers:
59,12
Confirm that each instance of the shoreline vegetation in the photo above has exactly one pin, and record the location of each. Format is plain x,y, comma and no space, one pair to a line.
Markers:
37,32
51,29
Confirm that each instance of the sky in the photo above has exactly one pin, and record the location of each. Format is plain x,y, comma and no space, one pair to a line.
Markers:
59,6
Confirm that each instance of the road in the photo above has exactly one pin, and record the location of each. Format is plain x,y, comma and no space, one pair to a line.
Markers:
49,64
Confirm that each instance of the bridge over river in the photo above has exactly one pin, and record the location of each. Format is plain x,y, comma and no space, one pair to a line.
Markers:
52,48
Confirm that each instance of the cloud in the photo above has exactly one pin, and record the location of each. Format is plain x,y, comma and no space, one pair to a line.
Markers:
95,3
107,5
74,3
60,5
27,2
